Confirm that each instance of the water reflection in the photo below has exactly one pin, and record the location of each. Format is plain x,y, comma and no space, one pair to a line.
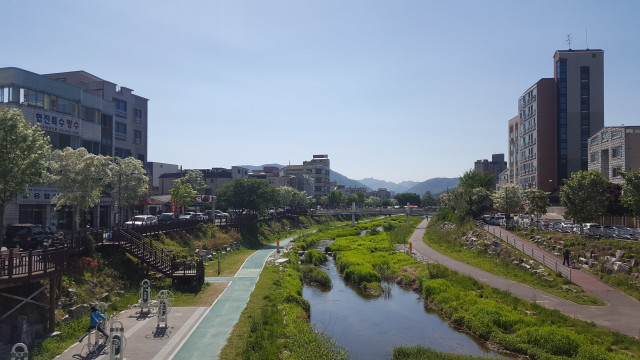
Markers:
371,327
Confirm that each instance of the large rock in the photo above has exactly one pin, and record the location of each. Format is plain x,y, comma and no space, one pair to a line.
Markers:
78,311
619,254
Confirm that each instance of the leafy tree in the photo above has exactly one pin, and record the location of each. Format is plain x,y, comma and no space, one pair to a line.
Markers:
360,198
411,198
614,203
537,202
428,199
472,179
23,150
81,178
289,196
630,197
478,201
373,201
508,198
336,198
195,179
247,194
584,196
182,194
128,181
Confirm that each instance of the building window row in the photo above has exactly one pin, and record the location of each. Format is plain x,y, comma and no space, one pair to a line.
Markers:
39,99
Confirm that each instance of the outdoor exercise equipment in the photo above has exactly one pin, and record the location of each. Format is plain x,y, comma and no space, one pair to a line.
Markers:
145,295
19,355
165,302
117,341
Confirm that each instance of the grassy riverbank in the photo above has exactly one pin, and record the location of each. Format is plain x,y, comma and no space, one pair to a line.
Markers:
449,240
492,315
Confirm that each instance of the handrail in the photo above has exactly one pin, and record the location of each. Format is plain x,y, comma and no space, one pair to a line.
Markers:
548,260
25,266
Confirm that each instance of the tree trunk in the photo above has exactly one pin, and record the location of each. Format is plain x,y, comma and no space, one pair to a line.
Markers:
2,205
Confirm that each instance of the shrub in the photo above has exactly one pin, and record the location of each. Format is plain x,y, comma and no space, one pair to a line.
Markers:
314,257
553,340
314,276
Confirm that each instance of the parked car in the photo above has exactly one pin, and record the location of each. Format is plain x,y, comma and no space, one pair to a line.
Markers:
140,220
187,216
199,216
590,229
221,214
167,217
621,231
26,236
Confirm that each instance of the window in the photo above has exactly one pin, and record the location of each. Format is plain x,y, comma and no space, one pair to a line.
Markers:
615,171
123,153
137,115
137,137
32,98
121,107
616,134
595,156
616,152
121,131
89,114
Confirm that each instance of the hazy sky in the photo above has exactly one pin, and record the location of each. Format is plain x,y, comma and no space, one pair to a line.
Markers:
396,90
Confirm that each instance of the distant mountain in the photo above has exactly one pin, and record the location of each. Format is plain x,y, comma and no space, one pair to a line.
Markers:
343,180
254,168
435,185
376,184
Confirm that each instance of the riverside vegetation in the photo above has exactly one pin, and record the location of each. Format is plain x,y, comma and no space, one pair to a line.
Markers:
494,316
119,274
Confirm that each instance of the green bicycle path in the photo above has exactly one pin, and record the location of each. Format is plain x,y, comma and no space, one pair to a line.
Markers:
211,334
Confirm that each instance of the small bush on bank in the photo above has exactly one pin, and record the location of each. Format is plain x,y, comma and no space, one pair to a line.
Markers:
314,257
314,276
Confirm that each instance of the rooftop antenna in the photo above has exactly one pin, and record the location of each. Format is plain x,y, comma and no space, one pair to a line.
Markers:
569,41
586,37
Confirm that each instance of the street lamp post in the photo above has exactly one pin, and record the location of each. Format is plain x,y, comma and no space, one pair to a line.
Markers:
213,209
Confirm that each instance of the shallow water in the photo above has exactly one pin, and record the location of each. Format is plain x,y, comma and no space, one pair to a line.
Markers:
369,328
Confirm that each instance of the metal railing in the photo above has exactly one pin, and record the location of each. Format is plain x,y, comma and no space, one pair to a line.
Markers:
548,260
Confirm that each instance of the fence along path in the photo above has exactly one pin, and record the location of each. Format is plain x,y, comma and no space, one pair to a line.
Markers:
544,257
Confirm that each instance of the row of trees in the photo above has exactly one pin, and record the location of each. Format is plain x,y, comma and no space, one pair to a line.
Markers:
586,195
26,158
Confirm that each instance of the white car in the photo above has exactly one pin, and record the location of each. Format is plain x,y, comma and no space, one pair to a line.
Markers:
187,216
140,220
220,214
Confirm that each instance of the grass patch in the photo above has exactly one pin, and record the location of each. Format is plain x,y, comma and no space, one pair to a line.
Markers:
426,353
449,242
203,298
230,263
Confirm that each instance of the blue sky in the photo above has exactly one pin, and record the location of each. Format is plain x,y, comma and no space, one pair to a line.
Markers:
395,90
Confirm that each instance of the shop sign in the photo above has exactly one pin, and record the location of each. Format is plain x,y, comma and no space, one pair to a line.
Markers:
38,195
58,124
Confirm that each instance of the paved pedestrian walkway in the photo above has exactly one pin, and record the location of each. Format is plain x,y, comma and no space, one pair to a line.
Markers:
193,332
622,312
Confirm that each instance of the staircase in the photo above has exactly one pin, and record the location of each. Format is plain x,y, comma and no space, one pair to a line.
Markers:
133,243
